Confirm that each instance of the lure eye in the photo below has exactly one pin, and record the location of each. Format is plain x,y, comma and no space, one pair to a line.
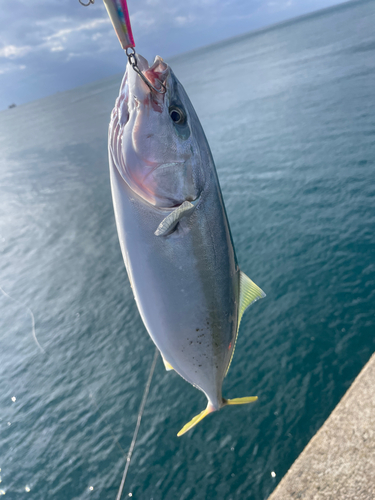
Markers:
177,115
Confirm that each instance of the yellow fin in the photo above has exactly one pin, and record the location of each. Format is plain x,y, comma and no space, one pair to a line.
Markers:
249,293
167,365
195,420
241,401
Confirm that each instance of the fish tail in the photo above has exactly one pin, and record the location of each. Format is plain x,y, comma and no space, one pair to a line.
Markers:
209,409
240,401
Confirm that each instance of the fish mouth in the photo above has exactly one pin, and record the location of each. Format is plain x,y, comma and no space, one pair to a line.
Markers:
156,75
132,85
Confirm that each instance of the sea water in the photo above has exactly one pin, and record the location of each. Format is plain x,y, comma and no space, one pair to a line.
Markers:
289,113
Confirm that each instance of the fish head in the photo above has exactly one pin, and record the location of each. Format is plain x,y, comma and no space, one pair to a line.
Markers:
152,137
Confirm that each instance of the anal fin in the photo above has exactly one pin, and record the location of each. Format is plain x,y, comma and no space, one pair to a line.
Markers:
167,365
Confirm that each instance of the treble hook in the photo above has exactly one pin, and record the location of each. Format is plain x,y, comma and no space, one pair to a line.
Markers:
130,52
126,32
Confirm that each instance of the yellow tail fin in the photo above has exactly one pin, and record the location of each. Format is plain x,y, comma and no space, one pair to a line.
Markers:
241,401
196,419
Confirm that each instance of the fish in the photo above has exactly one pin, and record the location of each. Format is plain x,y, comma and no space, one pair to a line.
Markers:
174,232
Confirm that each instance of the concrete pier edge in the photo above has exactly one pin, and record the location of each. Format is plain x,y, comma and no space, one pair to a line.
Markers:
339,461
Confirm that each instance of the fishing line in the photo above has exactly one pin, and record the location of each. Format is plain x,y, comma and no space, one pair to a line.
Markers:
31,315
141,408
107,425
140,413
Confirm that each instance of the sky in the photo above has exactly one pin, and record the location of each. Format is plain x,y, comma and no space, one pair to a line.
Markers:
48,46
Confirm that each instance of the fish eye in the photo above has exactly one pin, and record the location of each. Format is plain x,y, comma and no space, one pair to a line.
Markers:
177,115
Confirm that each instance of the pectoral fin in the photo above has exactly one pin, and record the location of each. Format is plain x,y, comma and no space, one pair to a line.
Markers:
168,224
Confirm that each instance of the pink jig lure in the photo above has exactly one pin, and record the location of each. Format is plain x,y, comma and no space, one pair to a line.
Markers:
119,15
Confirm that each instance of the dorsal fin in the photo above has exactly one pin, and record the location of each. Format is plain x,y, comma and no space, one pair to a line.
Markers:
249,293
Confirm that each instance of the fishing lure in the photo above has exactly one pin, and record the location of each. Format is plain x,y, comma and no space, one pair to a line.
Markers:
119,15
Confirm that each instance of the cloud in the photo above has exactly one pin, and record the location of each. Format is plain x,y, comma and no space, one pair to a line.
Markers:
57,48
60,40
142,19
89,26
182,20
280,5
11,67
14,52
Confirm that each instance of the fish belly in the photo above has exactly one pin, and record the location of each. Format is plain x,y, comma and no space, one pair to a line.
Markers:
186,286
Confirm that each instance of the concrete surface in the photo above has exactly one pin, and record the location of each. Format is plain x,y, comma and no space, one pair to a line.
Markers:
339,461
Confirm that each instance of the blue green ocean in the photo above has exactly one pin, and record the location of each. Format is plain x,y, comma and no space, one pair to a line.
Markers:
289,113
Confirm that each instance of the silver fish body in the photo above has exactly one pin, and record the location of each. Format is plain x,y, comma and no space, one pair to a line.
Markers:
174,232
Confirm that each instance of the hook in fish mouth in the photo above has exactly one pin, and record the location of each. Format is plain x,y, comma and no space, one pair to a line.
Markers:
162,88
149,74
